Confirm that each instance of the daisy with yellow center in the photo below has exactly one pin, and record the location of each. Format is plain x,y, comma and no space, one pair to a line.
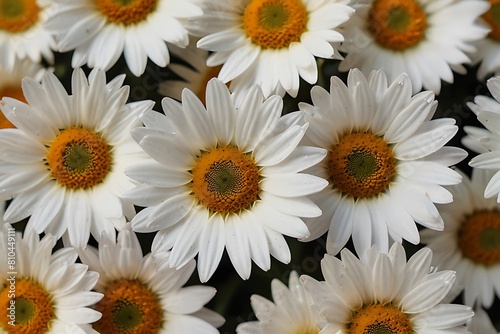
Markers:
42,292
428,40
384,293
270,42
488,49
386,163
21,32
107,28
291,313
224,177
470,242
144,294
64,163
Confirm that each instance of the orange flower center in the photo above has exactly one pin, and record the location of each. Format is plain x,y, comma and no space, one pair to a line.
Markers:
361,165
226,180
492,17
25,307
79,158
18,15
274,24
126,12
479,237
397,24
380,319
129,307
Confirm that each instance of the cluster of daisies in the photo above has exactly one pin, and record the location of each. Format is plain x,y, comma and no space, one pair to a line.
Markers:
236,161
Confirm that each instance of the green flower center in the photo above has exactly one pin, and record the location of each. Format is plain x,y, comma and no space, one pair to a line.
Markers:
18,15
127,315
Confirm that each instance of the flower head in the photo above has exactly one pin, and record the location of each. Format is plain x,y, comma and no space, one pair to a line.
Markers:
224,177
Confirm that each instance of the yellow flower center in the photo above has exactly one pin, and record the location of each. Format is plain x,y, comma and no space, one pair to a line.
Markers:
397,24
129,307
30,311
479,237
274,24
126,12
492,17
14,92
361,165
78,158
18,15
380,319
225,180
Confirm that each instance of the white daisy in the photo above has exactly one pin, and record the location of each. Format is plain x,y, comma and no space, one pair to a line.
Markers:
428,39
488,49
42,292
470,241
10,82
21,32
386,161
292,311
144,294
481,323
64,163
194,73
486,141
386,294
270,42
224,177
100,30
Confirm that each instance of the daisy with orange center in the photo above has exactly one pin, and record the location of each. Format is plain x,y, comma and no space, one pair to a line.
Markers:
428,40
224,177
139,29
64,163
386,161
28,288
144,294
385,293
270,42
21,32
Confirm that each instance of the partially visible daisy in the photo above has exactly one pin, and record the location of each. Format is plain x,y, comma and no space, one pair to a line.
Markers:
470,241
386,294
99,31
10,82
224,177
488,49
428,39
194,74
21,32
64,163
487,141
386,162
292,311
50,293
481,323
144,294
270,42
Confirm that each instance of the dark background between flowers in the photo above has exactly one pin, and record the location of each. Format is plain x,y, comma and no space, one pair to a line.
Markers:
233,294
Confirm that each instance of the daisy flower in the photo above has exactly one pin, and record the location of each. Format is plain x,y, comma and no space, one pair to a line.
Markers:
488,49
105,29
145,295
22,34
64,163
10,83
470,241
386,294
428,39
41,292
292,311
224,177
386,161
270,42
486,141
